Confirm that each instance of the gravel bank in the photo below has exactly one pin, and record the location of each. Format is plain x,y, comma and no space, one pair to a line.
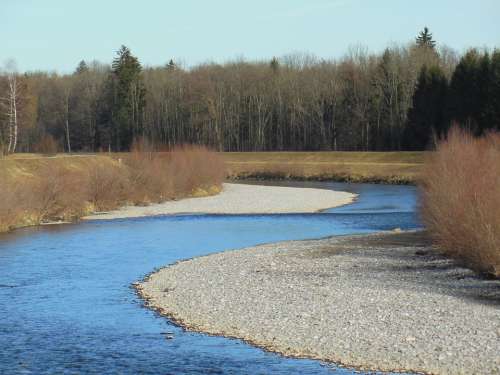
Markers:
241,199
380,301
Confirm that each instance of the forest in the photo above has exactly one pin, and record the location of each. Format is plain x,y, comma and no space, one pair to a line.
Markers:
403,98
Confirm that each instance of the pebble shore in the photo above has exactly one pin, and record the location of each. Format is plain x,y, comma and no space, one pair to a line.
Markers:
240,199
374,302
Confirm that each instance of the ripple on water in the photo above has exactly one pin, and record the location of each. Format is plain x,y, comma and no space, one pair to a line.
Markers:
66,305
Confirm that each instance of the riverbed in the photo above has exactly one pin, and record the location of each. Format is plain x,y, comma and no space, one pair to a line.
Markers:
67,305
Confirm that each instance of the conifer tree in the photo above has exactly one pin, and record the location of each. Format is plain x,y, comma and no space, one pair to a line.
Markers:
494,92
463,104
274,64
171,65
424,39
128,99
82,67
426,117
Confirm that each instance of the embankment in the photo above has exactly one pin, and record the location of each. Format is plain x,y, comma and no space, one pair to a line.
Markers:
37,189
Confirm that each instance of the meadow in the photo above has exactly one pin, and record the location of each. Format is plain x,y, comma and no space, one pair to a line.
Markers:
378,167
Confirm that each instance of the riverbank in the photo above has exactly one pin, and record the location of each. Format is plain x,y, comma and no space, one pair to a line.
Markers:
381,301
38,189
240,199
366,167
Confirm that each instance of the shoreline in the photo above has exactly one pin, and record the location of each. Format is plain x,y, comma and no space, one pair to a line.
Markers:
240,199
313,299
385,180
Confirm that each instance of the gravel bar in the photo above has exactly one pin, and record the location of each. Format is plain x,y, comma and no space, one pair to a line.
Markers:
241,199
382,302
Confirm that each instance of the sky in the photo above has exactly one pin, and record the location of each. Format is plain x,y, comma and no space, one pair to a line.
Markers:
54,35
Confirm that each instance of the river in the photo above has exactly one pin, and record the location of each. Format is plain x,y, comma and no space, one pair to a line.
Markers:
67,305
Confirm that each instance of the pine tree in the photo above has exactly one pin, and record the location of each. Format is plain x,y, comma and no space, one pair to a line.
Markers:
424,39
171,65
483,77
494,92
274,64
426,117
463,104
128,100
82,67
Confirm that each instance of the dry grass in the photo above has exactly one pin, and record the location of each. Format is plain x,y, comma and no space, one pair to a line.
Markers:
10,210
461,199
36,189
387,167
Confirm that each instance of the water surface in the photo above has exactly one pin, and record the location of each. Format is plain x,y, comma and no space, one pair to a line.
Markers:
66,305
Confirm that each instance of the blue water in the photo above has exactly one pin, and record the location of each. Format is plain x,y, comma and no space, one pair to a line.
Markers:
67,307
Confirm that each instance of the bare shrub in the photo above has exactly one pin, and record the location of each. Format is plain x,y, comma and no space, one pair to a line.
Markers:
63,189
148,174
54,193
106,186
195,167
185,170
461,199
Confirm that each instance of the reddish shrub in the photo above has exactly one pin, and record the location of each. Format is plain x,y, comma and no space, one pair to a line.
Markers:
461,199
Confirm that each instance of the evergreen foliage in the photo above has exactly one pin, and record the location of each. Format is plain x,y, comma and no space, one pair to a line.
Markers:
473,100
426,117
82,67
127,100
171,65
274,64
424,39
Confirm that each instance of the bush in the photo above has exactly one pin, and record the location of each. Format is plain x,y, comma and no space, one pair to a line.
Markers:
195,167
182,171
461,199
106,186
68,188
54,193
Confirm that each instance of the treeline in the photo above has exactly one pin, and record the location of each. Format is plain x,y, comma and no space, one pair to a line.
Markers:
399,99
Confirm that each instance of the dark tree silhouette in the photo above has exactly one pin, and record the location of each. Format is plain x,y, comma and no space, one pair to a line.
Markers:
424,39
426,116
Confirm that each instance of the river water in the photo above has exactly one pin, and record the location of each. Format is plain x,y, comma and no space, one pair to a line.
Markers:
67,306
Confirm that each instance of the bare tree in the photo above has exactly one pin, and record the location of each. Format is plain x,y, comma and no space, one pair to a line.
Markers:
10,104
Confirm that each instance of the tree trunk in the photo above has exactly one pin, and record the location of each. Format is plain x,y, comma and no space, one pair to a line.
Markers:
67,122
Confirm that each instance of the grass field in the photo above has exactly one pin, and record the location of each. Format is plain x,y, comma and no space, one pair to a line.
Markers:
382,167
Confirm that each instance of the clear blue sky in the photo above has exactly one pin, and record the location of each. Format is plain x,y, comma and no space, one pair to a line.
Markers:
57,34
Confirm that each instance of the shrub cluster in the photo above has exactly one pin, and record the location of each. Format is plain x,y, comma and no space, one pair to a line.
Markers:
461,199
59,190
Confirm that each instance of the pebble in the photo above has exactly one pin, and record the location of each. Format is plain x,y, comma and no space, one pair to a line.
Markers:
362,301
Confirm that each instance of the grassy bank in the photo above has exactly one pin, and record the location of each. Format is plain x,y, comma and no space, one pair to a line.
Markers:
461,199
36,189
378,167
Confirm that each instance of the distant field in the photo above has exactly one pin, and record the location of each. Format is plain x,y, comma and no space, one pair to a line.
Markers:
19,165
386,167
